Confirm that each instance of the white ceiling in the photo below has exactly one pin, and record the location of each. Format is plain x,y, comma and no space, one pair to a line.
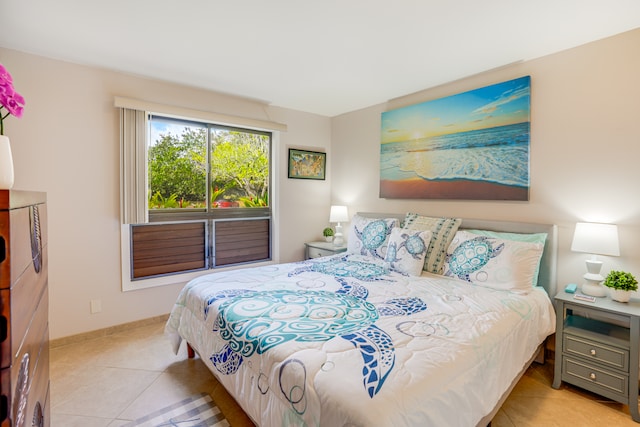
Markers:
325,56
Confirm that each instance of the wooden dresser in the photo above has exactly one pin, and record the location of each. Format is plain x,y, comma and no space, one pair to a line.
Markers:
24,310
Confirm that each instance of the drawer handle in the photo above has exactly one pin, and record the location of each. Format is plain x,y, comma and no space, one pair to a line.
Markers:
593,352
592,376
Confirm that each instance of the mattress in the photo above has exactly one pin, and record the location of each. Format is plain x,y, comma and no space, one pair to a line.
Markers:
344,341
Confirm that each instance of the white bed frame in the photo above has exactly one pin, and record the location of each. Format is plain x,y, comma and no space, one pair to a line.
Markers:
546,278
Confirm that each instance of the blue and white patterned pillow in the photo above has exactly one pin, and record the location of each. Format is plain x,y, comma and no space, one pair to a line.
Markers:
407,249
493,262
519,237
370,236
442,229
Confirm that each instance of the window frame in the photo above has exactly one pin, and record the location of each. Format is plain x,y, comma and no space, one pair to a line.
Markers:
209,213
130,161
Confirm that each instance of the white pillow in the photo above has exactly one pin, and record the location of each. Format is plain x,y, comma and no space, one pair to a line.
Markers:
493,262
520,237
370,236
407,249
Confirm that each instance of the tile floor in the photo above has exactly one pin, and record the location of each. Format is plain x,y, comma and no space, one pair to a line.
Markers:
107,381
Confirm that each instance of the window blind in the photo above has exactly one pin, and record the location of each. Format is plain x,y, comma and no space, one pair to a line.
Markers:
133,166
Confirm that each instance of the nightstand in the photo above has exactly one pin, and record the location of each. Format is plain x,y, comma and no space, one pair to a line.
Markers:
318,249
597,347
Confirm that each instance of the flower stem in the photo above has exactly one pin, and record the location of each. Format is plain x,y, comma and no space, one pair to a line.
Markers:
2,121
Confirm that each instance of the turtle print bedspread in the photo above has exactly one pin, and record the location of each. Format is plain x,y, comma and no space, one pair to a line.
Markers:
342,340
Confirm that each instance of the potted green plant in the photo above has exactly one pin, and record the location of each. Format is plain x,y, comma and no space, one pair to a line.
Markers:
621,284
328,234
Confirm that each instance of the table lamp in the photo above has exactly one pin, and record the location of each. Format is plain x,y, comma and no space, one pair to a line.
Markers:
595,239
338,214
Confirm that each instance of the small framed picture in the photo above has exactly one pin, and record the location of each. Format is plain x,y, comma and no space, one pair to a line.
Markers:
307,164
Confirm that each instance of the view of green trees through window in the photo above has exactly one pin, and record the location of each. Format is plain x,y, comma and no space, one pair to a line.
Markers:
200,166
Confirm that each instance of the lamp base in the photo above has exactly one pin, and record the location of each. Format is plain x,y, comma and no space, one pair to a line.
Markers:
593,280
595,289
338,239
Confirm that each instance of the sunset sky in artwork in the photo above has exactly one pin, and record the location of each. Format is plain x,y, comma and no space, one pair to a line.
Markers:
497,105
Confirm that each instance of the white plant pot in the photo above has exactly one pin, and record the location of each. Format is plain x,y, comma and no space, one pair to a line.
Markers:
328,238
6,164
620,295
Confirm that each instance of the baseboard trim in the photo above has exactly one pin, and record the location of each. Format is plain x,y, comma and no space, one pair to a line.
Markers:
99,333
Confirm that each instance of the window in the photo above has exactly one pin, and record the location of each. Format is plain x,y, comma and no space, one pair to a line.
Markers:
199,167
196,192
208,198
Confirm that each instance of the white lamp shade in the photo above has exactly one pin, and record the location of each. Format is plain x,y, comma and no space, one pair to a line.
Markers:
597,239
339,214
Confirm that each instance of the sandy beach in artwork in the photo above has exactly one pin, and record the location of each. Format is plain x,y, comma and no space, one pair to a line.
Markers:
417,188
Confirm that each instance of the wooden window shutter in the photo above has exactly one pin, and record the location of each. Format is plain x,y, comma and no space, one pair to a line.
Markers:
166,248
241,241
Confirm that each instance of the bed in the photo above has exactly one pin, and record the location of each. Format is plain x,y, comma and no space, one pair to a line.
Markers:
388,333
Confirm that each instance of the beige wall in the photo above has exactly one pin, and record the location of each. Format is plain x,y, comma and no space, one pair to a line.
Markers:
585,146
585,149
67,145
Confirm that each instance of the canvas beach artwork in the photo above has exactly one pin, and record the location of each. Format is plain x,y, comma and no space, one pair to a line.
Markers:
471,146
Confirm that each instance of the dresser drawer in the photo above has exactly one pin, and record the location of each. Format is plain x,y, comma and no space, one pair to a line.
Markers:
604,354
16,232
595,378
17,308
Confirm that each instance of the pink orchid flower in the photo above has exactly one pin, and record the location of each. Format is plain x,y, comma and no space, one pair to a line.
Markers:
4,74
10,100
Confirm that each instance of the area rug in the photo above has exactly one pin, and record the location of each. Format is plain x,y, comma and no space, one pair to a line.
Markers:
195,411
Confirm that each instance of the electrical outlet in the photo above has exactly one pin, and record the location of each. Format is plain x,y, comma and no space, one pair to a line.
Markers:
96,306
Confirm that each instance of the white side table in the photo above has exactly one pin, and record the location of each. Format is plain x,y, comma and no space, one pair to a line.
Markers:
319,249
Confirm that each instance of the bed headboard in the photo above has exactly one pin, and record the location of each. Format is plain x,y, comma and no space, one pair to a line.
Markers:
547,276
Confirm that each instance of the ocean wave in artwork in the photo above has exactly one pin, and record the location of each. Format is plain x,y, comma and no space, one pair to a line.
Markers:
498,155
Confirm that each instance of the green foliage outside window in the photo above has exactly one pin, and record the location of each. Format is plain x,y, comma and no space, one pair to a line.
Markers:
239,168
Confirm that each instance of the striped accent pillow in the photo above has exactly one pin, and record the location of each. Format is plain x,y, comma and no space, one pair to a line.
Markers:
443,231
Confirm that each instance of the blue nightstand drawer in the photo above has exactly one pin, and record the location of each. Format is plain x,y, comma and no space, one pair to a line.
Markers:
595,379
614,357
